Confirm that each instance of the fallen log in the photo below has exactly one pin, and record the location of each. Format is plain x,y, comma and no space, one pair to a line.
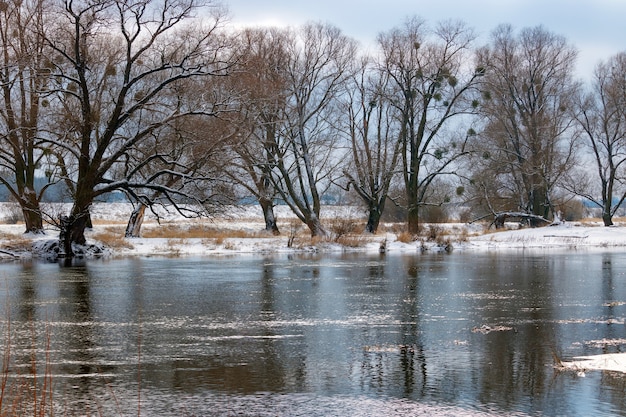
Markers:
500,218
6,252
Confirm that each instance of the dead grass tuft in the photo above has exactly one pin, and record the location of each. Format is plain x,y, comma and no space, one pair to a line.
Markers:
395,228
352,241
342,227
463,235
177,242
99,222
113,239
406,237
435,232
229,245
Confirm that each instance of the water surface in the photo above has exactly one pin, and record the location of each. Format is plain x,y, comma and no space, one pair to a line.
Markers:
319,335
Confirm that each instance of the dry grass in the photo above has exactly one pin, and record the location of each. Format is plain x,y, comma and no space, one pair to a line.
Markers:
395,228
195,232
228,245
100,222
113,238
345,232
463,235
173,246
596,221
312,241
591,221
15,243
352,241
343,227
406,237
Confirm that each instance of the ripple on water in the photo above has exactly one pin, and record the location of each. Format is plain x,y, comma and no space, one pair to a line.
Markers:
293,405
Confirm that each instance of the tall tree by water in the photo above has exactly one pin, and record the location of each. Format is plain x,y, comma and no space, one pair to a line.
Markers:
24,80
306,151
117,64
375,140
435,85
601,113
528,141
261,83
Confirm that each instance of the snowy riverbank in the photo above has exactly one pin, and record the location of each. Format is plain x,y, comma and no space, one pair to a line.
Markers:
453,236
241,232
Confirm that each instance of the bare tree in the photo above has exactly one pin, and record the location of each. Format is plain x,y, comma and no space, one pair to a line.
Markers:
181,168
601,114
305,150
262,92
434,87
528,140
116,64
24,76
374,139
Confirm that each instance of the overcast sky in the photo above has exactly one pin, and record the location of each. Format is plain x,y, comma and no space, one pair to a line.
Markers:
597,28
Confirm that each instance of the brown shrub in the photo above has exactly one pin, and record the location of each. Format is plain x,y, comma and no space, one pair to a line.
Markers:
342,227
434,232
572,210
465,215
406,237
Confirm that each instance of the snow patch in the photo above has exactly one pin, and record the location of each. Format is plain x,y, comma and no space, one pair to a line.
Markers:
615,362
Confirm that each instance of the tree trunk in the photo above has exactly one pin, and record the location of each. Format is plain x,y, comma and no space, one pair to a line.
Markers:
65,243
268,214
72,231
77,228
539,201
315,226
607,218
413,220
32,219
32,212
373,220
133,229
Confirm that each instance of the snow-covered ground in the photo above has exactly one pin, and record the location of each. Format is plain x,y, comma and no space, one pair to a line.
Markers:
110,220
242,232
574,235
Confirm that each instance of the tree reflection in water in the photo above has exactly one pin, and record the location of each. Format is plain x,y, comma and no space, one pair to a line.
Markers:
320,331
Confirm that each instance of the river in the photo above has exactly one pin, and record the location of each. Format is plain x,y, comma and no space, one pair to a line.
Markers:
456,334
